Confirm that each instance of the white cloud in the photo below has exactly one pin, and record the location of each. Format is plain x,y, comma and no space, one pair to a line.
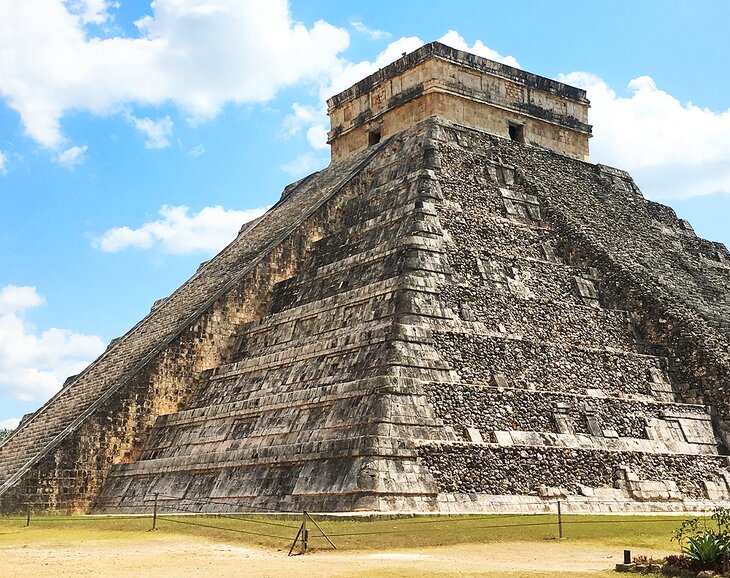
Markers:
156,131
344,74
341,75
317,137
373,33
3,163
72,157
239,51
300,117
455,40
179,232
33,365
91,11
197,151
10,423
14,298
304,164
673,150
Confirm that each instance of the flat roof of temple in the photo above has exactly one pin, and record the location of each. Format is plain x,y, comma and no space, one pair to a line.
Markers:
466,59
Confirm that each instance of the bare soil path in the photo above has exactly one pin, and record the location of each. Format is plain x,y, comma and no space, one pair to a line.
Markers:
183,556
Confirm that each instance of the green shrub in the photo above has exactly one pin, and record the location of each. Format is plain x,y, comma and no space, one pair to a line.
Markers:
706,548
681,562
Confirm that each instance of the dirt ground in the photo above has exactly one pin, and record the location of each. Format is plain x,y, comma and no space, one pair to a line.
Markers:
178,556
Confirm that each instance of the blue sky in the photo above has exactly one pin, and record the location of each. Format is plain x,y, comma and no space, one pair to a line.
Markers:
136,137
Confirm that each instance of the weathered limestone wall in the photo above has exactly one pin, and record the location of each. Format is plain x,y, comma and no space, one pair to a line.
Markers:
561,324
511,413
440,81
482,469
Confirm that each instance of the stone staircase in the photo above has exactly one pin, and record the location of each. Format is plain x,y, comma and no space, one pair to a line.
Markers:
309,410
128,355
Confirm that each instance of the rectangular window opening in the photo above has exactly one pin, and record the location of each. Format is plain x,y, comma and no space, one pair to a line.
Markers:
517,132
373,137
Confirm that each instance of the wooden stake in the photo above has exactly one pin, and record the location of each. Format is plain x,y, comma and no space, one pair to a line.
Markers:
305,533
294,543
326,537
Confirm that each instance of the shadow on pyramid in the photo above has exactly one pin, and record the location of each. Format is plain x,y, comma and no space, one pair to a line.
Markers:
460,314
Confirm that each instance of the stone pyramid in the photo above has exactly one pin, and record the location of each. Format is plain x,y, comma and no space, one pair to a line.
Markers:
461,313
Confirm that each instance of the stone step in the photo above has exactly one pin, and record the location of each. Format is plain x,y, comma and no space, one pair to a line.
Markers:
355,445
232,434
321,309
240,382
272,397
366,322
175,313
409,253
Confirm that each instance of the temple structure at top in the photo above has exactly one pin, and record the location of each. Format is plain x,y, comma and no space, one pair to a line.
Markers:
467,89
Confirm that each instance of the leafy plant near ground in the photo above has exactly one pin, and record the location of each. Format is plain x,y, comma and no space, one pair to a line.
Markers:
680,562
707,548
648,564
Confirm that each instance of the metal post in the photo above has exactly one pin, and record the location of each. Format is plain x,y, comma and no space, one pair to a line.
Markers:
305,534
154,513
27,518
560,521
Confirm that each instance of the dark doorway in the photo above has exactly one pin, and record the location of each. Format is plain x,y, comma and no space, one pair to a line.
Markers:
373,137
517,132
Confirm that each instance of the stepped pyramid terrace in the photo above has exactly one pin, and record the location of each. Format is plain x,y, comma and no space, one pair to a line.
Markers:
461,313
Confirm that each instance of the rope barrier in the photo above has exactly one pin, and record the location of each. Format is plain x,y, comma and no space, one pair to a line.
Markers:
222,503
400,527
55,518
173,509
188,523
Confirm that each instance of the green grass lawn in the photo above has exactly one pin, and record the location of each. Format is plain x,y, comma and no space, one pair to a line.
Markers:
622,532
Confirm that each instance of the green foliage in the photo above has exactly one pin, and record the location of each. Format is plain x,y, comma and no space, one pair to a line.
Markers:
647,564
706,548
4,433
682,562
688,527
722,518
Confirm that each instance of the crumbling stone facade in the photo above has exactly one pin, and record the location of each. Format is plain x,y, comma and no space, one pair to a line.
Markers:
436,80
446,320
